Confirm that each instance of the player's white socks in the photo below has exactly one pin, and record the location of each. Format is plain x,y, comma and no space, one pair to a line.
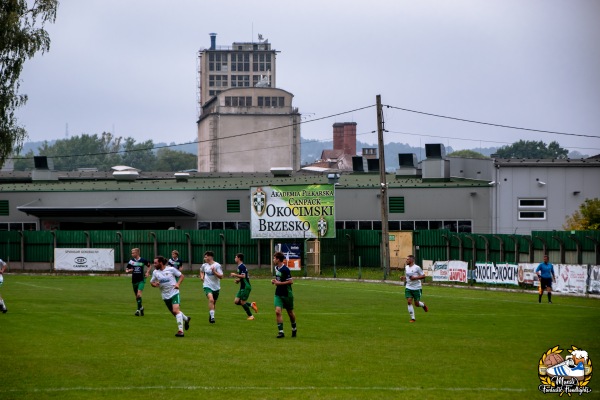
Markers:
212,313
185,318
179,318
411,311
421,304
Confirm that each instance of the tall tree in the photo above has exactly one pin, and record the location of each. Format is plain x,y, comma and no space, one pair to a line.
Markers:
587,218
85,151
467,154
170,160
22,34
140,156
532,149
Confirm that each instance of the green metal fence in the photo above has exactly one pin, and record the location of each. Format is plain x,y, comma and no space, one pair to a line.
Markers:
349,246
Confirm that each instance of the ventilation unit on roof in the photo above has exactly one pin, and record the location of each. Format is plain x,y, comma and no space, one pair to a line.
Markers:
281,171
127,176
181,176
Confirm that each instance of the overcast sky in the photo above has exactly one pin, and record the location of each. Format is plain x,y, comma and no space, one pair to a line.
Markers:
129,67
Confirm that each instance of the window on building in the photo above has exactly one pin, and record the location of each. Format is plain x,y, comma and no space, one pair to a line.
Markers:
240,80
339,224
231,225
233,206
407,225
394,225
532,215
217,80
216,225
240,62
4,207
532,203
261,62
421,225
377,225
436,225
465,226
244,225
351,225
451,226
396,205
365,225
18,226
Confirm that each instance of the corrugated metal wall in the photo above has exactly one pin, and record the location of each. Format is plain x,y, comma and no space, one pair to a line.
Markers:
348,247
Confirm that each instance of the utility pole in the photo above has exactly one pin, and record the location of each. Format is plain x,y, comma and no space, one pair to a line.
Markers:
385,235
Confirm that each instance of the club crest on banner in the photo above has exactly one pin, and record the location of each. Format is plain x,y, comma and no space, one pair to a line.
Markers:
322,227
568,375
259,201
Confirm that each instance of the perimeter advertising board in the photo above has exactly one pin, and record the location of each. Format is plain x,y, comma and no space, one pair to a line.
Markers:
292,211
84,259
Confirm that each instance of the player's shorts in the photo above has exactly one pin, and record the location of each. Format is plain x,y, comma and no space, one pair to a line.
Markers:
215,293
138,286
545,283
244,293
415,294
286,302
173,300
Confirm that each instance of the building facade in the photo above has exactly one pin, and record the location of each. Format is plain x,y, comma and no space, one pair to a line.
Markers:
245,123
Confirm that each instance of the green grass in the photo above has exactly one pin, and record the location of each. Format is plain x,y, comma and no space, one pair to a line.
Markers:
76,337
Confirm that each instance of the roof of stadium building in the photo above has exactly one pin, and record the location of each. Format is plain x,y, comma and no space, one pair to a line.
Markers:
157,181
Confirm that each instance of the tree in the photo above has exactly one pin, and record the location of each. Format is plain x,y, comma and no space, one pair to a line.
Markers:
587,218
85,151
171,160
532,149
466,154
139,155
22,35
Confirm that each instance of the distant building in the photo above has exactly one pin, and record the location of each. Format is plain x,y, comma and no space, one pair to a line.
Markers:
245,123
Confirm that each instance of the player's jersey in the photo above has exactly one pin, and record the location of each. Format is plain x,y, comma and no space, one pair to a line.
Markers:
283,274
244,282
212,281
547,270
175,263
167,279
138,269
2,264
409,271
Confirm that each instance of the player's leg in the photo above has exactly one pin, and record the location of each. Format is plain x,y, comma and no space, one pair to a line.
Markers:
211,304
409,300
244,294
549,290
278,316
140,290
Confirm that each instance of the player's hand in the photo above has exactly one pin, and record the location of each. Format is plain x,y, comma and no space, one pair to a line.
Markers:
232,274
273,281
403,278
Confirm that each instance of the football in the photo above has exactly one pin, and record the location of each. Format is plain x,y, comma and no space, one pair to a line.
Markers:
553,359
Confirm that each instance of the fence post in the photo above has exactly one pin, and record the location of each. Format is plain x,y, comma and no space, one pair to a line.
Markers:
359,268
334,272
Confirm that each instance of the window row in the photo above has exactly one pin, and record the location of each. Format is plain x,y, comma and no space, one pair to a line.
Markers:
265,101
239,62
451,225
238,101
533,209
217,80
18,226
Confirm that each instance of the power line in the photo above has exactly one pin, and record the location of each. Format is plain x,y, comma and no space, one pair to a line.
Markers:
491,124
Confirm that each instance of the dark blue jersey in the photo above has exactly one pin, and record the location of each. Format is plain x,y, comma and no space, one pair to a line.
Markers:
283,274
178,263
138,269
244,282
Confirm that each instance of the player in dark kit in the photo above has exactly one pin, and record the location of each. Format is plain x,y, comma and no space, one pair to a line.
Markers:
138,277
284,297
243,294
175,261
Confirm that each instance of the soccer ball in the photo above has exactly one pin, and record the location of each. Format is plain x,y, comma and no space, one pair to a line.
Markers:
553,359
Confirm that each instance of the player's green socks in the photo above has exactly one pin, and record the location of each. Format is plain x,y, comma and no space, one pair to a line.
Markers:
280,327
294,325
139,303
246,307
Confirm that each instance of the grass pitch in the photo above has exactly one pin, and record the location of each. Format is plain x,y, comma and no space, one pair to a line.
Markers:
75,337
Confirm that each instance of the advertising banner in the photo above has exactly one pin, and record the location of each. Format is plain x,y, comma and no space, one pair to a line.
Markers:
594,285
495,273
84,259
526,274
457,271
293,255
570,278
292,211
440,271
